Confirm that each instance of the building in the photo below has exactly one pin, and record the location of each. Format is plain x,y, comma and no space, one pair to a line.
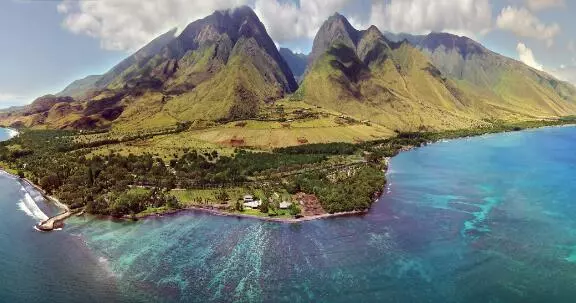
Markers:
248,198
253,204
285,205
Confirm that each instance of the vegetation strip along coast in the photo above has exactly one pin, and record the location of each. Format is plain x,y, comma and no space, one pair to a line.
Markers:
291,184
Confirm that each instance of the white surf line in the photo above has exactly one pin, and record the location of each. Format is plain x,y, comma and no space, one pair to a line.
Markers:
29,206
12,132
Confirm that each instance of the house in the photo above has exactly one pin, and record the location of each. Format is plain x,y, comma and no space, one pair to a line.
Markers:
248,198
285,205
253,204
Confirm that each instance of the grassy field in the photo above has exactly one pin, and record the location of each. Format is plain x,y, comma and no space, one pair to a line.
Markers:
272,137
164,146
191,197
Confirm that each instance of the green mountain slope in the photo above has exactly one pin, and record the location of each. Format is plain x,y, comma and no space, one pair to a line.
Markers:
436,82
504,81
222,67
225,68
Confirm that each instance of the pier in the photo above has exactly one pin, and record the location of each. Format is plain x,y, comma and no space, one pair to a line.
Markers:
54,222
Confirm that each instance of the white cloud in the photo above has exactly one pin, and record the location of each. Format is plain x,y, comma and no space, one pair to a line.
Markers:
537,5
572,46
526,55
287,21
129,24
565,73
523,23
467,17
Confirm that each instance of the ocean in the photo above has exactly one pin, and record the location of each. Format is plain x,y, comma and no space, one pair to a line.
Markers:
484,219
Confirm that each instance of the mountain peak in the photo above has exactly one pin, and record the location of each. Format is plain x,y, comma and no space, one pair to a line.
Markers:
373,30
337,16
335,30
464,45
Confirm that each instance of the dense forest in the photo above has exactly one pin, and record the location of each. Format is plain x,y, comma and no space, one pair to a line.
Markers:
127,185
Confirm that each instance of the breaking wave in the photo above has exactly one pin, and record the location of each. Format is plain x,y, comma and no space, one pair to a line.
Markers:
30,207
12,133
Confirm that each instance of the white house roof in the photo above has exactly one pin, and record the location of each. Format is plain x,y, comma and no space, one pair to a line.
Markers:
253,204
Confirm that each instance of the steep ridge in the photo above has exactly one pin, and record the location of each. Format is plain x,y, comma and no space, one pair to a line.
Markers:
225,67
438,81
222,67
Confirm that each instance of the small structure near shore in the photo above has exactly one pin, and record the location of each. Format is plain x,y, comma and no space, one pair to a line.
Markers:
253,204
54,222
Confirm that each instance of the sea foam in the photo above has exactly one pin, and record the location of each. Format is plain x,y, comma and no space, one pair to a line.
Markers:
12,133
29,206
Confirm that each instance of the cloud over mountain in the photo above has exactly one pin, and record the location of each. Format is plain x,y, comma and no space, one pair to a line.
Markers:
287,21
468,17
129,24
527,56
523,23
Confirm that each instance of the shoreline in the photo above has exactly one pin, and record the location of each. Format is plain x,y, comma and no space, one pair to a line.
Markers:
215,211
47,197
12,132
218,212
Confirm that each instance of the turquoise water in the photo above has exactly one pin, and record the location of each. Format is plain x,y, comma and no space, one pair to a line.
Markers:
487,219
4,134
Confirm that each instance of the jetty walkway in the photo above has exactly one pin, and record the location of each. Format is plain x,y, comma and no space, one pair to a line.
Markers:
54,222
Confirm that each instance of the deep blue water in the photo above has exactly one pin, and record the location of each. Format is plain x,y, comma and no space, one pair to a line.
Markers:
486,219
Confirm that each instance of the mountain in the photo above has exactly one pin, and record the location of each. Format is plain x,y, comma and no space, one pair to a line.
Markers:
511,83
131,64
225,68
79,88
296,61
437,81
222,67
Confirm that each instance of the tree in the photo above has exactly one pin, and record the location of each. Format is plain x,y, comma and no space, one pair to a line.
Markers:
90,176
21,174
265,206
239,206
49,183
294,209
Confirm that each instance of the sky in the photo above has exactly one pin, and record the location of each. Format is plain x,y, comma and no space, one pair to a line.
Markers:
47,44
